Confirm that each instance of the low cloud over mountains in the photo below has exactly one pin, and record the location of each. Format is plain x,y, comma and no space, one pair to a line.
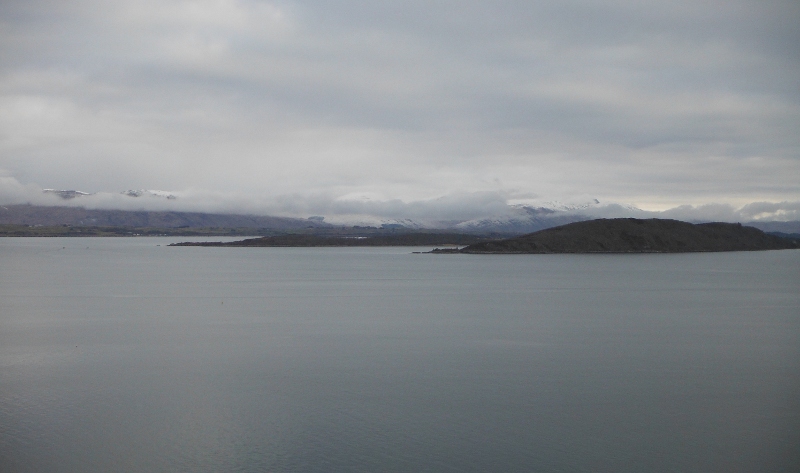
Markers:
495,211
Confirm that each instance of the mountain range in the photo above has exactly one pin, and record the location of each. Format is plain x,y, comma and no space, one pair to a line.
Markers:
511,220
33,215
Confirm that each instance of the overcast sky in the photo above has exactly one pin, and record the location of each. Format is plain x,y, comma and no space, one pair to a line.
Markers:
290,106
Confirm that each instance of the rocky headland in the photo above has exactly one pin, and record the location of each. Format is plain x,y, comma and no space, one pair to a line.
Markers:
630,235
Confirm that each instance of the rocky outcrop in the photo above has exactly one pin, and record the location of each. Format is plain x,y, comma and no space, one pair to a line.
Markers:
629,235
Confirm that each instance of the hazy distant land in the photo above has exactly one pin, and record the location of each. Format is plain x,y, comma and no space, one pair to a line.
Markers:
41,216
526,220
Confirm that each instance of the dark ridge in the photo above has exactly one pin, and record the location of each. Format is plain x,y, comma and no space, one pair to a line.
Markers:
297,240
630,235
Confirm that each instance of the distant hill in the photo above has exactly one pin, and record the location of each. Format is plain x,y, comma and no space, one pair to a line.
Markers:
629,235
79,216
793,236
776,227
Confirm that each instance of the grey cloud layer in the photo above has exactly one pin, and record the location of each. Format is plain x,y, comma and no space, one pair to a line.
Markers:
655,103
447,211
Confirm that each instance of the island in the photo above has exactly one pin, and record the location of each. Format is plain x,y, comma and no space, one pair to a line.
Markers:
631,235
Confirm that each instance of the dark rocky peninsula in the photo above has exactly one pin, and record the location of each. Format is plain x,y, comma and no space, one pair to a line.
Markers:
630,235
301,240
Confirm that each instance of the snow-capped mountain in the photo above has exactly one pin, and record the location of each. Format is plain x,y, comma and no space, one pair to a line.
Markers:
373,221
558,206
521,218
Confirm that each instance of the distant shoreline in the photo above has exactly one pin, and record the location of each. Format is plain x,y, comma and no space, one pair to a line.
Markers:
601,236
12,230
307,241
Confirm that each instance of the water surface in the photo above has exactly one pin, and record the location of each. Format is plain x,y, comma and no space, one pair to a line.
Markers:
120,355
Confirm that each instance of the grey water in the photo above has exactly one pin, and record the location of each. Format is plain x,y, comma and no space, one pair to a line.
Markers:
117,354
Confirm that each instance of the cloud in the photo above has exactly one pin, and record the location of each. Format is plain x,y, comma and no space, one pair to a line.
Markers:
372,209
753,212
780,211
660,104
14,193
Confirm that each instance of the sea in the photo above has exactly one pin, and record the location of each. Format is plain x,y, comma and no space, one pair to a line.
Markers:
127,355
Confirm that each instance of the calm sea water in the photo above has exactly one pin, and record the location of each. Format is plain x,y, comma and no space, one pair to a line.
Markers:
121,355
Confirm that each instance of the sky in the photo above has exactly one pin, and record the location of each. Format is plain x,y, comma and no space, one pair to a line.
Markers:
451,109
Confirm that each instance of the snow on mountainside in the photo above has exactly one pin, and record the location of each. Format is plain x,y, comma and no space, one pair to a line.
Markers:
519,219
558,206
349,220
531,218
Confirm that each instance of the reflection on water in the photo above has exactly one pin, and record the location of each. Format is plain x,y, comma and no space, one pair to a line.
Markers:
120,355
